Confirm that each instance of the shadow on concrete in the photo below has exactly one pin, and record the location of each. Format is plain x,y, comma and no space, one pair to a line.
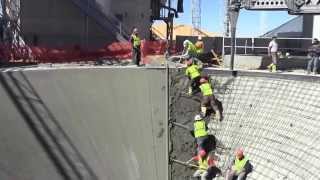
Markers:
46,129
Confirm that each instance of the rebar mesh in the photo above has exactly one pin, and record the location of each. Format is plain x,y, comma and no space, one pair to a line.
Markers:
275,118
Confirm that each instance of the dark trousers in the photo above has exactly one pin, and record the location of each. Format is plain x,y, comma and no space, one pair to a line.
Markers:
313,64
195,83
136,56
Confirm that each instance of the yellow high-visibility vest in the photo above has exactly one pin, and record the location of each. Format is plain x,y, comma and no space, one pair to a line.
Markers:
193,71
192,50
136,41
239,164
200,128
206,89
203,164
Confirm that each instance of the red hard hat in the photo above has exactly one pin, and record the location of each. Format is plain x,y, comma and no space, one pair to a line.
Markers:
239,152
203,80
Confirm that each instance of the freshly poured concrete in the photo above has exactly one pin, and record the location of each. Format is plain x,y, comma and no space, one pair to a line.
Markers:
115,120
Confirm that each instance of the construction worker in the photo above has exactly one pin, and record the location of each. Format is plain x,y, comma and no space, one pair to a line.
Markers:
189,50
200,132
194,75
199,45
314,53
136,44
208,98
207,169
273,52
240,166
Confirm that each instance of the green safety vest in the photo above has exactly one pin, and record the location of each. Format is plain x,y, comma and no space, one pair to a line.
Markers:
203,164
193,71
192,49
200,129
136,41
200,50
206,89
239,164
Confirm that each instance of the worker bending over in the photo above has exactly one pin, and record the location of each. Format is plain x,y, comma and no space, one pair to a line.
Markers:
194,75
207,169
240,167
200,132
208,98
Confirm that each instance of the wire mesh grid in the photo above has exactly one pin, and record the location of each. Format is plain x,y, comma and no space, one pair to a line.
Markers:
275,120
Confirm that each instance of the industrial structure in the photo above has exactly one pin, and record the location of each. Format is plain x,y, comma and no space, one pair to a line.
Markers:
71,122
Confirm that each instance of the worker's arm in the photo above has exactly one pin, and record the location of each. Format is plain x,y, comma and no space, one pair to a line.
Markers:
248,167
195,158
211,162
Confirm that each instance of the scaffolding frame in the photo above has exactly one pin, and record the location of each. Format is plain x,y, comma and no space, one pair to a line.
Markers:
196,16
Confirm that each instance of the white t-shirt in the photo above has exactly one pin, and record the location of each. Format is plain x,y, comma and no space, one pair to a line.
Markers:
273,46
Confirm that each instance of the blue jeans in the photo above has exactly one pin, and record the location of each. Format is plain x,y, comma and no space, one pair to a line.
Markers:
313,64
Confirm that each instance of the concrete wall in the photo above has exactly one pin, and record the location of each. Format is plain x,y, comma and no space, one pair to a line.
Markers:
135,13
59,23
115,118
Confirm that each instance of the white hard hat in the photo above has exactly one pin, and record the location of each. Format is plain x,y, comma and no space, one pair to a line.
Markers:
185,43
197,117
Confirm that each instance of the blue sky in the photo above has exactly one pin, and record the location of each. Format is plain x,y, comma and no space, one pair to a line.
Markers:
250,23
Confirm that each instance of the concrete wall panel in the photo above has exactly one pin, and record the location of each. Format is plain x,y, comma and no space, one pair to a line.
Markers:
116,118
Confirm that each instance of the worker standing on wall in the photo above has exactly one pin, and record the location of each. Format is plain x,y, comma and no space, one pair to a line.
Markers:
207,169
199,45
200,132
240,166
273,52
208,99
313,52
194,75
136,44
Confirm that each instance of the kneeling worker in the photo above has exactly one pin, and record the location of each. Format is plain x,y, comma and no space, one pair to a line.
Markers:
208,98
207,169
194,75
240,167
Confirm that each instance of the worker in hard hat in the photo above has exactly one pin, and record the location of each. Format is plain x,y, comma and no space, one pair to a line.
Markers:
207,169
240,167
208,99
189,50
199,45
194,75
136,44
200,131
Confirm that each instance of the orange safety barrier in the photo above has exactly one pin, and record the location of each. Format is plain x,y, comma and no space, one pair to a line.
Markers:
116,50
